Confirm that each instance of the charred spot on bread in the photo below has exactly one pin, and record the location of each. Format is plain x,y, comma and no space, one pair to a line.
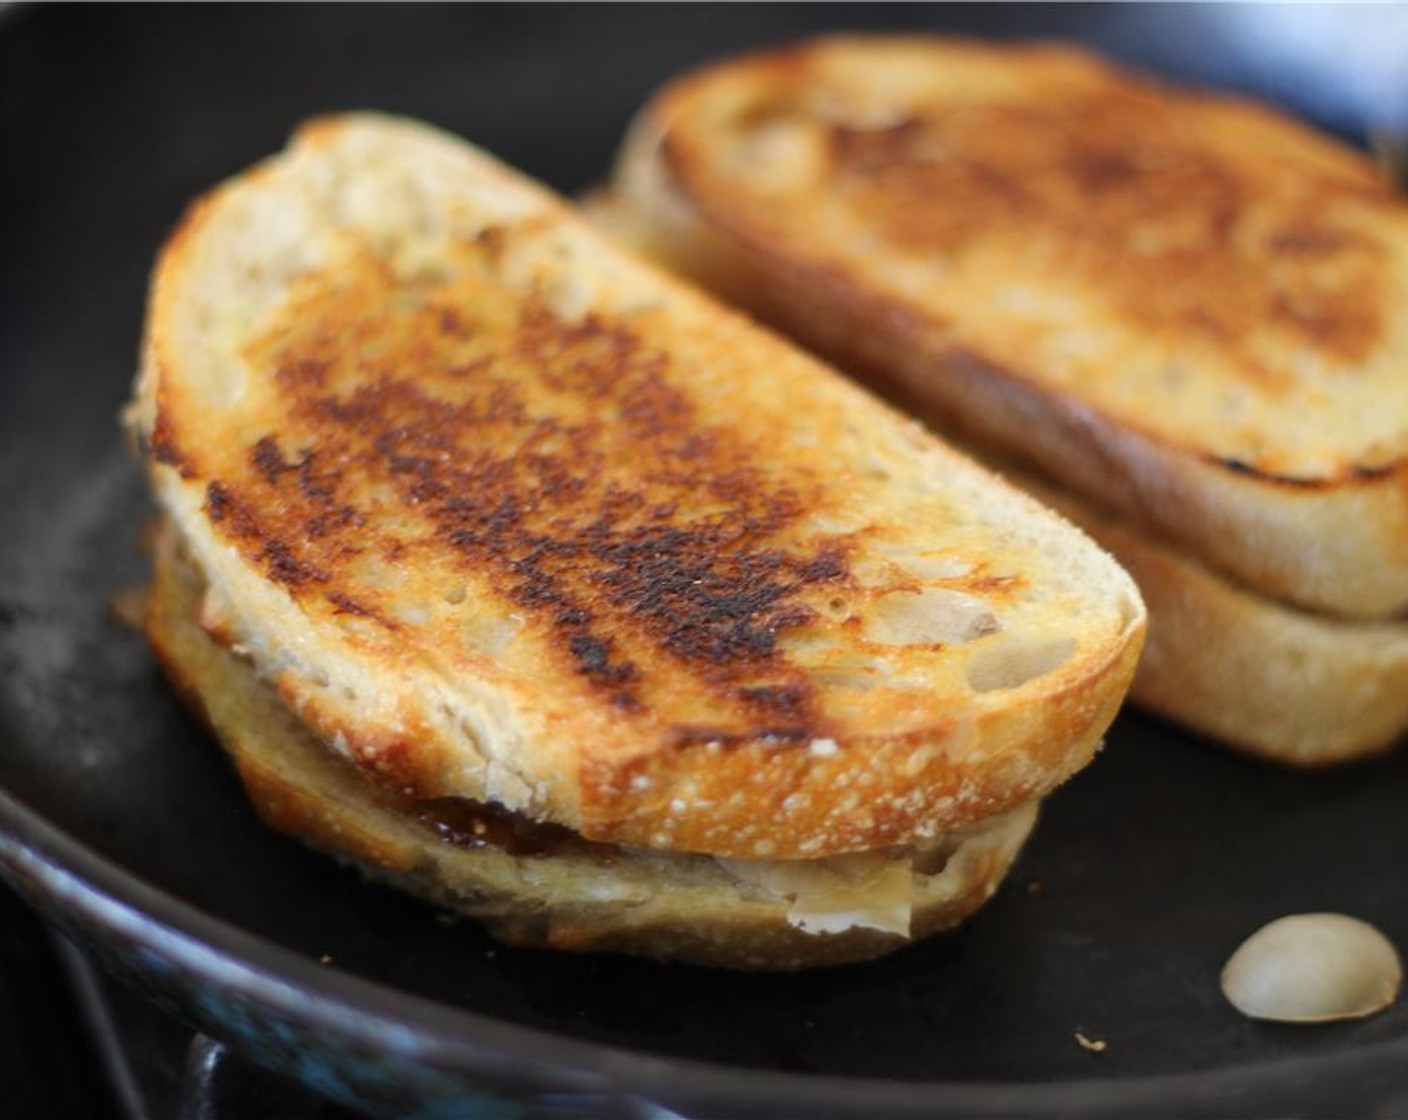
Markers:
521,460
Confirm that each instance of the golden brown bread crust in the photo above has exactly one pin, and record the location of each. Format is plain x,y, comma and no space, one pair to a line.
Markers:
1269,680
1184,304
575,900
1278,683
509,516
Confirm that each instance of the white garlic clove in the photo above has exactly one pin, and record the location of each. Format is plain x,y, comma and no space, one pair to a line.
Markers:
1313,968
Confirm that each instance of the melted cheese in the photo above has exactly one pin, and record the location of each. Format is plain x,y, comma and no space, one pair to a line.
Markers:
864,889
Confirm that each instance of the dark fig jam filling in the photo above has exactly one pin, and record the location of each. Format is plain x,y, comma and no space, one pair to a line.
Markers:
475,824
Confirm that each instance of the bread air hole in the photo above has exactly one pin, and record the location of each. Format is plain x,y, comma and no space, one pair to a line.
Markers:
413,614
568,296
489,634
836,609
926,566
377,573
1015,661
851,679
934,615
226,383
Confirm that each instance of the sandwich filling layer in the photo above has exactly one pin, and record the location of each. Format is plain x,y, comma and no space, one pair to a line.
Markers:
496,862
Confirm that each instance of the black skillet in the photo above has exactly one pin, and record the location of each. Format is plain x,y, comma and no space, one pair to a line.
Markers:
123,823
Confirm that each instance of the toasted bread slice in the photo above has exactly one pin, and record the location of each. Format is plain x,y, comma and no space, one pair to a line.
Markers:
1279,683
1187,306
507,515
561,894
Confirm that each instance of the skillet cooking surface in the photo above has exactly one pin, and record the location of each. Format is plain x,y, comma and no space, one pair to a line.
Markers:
1143,875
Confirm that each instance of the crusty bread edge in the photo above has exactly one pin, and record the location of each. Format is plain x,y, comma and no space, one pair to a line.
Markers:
1264,678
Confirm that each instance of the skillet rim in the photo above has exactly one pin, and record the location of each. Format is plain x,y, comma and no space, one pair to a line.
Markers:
70,880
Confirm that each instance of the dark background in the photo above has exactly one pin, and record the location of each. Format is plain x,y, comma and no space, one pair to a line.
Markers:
1152,867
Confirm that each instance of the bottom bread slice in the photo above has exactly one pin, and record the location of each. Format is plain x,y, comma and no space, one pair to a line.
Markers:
672,906
1268,679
